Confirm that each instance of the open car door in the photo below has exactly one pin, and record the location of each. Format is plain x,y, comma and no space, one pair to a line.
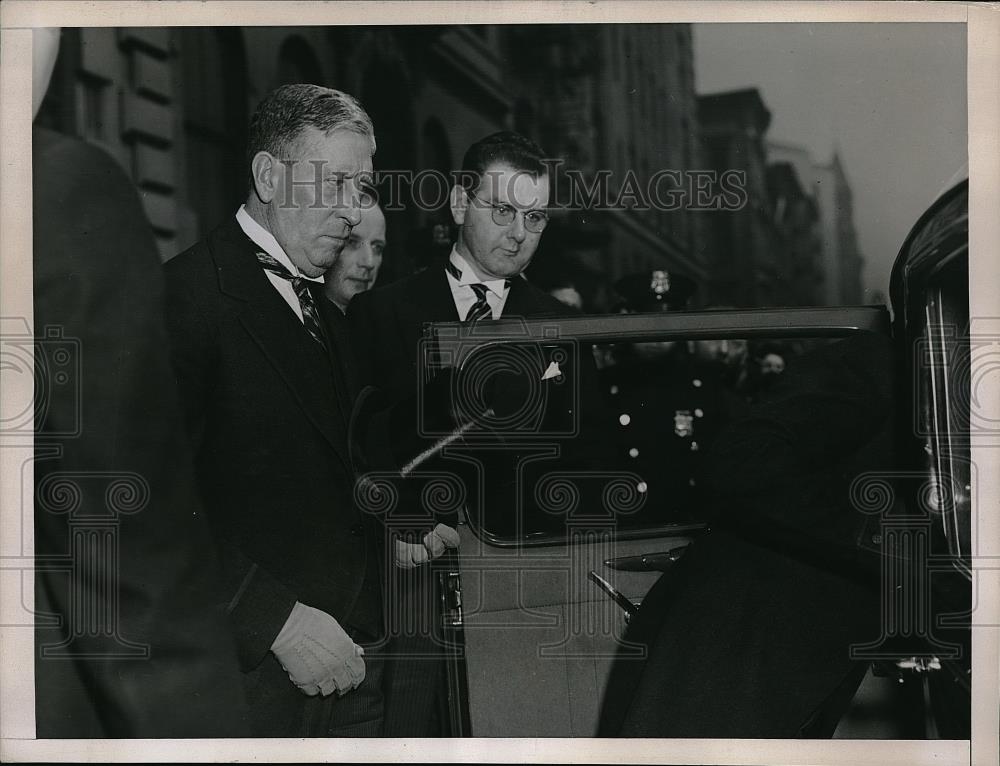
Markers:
536,601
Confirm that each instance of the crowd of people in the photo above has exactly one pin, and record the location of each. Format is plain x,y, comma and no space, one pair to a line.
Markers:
244,361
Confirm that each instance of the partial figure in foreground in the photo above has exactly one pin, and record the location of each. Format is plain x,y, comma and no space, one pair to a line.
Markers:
140,649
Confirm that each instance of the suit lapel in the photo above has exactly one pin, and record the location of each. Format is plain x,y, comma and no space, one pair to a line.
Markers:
520,301
523,301
428,300
341,353
278,332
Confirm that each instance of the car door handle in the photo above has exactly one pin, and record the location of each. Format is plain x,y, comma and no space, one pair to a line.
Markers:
647,562
617,596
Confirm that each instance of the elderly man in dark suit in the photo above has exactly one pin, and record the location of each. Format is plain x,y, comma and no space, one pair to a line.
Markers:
500,210
267,388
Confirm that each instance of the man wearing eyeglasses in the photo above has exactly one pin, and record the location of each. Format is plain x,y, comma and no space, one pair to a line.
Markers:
499,207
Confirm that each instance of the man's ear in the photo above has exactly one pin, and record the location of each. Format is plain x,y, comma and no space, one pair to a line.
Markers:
459,203
265,175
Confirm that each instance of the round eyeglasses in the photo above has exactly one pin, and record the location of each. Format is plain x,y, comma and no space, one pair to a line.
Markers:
535,221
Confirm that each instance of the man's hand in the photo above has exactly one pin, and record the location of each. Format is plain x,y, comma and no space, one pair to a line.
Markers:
317,654
436,542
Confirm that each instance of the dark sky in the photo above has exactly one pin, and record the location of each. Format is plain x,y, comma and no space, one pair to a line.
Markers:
891,98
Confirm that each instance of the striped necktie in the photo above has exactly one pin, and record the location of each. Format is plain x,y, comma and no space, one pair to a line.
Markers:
481,308
310,315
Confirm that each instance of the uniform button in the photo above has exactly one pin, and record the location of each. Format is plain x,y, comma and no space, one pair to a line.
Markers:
614,389
698,413
696,383
358,530
624,419
633,452
641,486
694,446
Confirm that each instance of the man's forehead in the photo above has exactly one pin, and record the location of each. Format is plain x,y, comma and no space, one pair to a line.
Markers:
518,187
372,224
341,150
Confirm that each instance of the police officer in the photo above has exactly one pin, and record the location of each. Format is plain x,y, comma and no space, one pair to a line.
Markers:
666,403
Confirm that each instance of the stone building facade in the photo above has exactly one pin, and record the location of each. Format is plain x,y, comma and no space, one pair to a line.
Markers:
172,104
616,103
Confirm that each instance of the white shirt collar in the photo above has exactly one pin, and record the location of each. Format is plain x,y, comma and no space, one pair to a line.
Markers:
496,286
265,241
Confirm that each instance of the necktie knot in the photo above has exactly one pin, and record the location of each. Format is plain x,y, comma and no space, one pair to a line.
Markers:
310,315
271,264
481,308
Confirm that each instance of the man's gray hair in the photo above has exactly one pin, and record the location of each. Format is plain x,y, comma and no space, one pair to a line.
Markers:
285,112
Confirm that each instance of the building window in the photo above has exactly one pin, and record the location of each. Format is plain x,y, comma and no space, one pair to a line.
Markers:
214,93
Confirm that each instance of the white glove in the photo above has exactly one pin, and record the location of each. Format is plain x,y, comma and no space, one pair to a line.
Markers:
436,542
317,654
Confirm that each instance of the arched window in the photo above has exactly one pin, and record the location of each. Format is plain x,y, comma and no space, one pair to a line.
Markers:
215,122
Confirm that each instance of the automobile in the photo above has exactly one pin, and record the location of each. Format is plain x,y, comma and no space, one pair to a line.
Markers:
552,622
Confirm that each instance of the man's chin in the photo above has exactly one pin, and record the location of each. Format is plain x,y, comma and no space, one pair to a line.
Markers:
508,268
319,264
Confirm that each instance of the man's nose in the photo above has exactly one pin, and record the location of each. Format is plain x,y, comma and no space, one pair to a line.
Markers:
351,212
367,259
517,230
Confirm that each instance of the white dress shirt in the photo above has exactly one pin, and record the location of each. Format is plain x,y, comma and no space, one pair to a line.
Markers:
464,296
266,242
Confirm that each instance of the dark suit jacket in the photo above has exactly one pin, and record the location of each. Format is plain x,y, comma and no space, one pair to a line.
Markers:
749,635
268,410
742,641
116,417
393,317
387,325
